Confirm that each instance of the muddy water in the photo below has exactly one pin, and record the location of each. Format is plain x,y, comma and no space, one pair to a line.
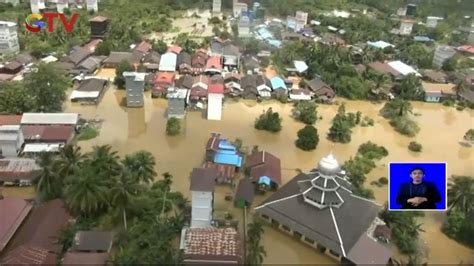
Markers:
129,130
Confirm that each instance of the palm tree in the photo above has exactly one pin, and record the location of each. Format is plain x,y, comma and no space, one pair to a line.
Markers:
461,88
106,160
141,165
47,184
70,161
461,194
122,192
255,252
88,191
380,80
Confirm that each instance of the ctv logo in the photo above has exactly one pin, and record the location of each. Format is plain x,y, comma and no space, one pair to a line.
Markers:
35,22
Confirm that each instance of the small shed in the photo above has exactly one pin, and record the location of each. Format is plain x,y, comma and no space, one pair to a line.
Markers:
244,194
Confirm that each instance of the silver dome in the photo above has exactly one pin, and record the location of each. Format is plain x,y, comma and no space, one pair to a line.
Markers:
329,165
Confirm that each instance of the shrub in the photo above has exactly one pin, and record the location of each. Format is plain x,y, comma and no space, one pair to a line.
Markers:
88,133
372,150
269,121
383,180
415,146
308,138
173,126
469,136
405,126
305,112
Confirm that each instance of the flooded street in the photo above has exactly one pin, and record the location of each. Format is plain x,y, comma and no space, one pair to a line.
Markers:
129,130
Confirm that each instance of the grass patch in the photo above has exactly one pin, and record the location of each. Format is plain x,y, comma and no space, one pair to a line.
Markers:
88,133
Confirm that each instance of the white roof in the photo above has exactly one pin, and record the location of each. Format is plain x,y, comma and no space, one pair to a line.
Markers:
7,23
301,66
10,128
50,118
49,59
300,97
214,107
432,17
380,44
84,94
403,68
315,22
42,147
139,76
168,62
331,28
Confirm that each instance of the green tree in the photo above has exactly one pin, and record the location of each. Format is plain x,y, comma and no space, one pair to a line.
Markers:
340,130
372,151
255,252
69,161
88,192
415,146
124,189
396,108
308,138
183,40
469,135
450,64
47,87
461,194
305,111
141,166
104,48
119,80
269,121
409,88
15,98
48,184
105,160
173,126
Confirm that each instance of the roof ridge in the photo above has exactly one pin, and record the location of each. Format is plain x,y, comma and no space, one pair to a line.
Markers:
337,231
277,200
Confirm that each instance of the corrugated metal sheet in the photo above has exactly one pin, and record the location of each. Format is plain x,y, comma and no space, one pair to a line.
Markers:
49,118
232,159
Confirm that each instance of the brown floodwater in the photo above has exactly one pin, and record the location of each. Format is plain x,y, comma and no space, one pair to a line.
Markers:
129,130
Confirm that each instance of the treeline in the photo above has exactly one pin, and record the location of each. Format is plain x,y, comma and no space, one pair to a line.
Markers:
103,190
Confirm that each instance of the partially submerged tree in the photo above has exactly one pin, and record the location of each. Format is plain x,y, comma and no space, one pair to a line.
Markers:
173,126
305,111
308,138
269,121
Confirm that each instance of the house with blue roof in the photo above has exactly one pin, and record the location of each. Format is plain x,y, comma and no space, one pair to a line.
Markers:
278,83
221,151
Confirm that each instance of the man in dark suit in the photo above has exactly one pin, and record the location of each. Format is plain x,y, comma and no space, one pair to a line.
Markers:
418,194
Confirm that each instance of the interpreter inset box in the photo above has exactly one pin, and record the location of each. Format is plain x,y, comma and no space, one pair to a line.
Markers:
417,186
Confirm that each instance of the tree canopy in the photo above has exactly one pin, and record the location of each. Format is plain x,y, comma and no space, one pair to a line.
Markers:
269,121
305,111
308,138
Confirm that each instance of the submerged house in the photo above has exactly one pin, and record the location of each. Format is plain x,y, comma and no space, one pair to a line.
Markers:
244,193
215,94
203,182
264,86
11,140
19,171
249,87
135,85
198,61
14,211
184,82
168,62
320,89
177,103
89,90
232,84
436,92
345,222
264,169
184,63
279,87
162,81
214,65
223,157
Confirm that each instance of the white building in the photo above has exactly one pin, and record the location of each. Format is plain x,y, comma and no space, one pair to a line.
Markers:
402,11
214,102
49,119
135,84
238,8
442,54
92,5
406,26
8,37
37,5
432,22
202,196
11,140
216,6
301,20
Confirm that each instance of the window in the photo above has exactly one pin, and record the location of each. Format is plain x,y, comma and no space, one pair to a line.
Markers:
311,241
286,228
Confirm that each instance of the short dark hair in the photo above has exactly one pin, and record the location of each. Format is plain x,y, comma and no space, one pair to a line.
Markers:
417,168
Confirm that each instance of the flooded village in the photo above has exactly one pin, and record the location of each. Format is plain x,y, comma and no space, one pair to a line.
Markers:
114,127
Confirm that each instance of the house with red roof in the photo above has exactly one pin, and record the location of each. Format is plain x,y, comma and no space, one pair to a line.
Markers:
143,47
264,169
162,81
174,49
214,65
14,212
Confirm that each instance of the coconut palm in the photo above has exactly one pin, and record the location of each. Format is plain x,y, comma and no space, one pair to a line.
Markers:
123,191
461,194
47,184
255,252
106,160
88,191
141,165
70,161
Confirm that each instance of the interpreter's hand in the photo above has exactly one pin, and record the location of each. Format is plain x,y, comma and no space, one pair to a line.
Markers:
419,200
412,200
